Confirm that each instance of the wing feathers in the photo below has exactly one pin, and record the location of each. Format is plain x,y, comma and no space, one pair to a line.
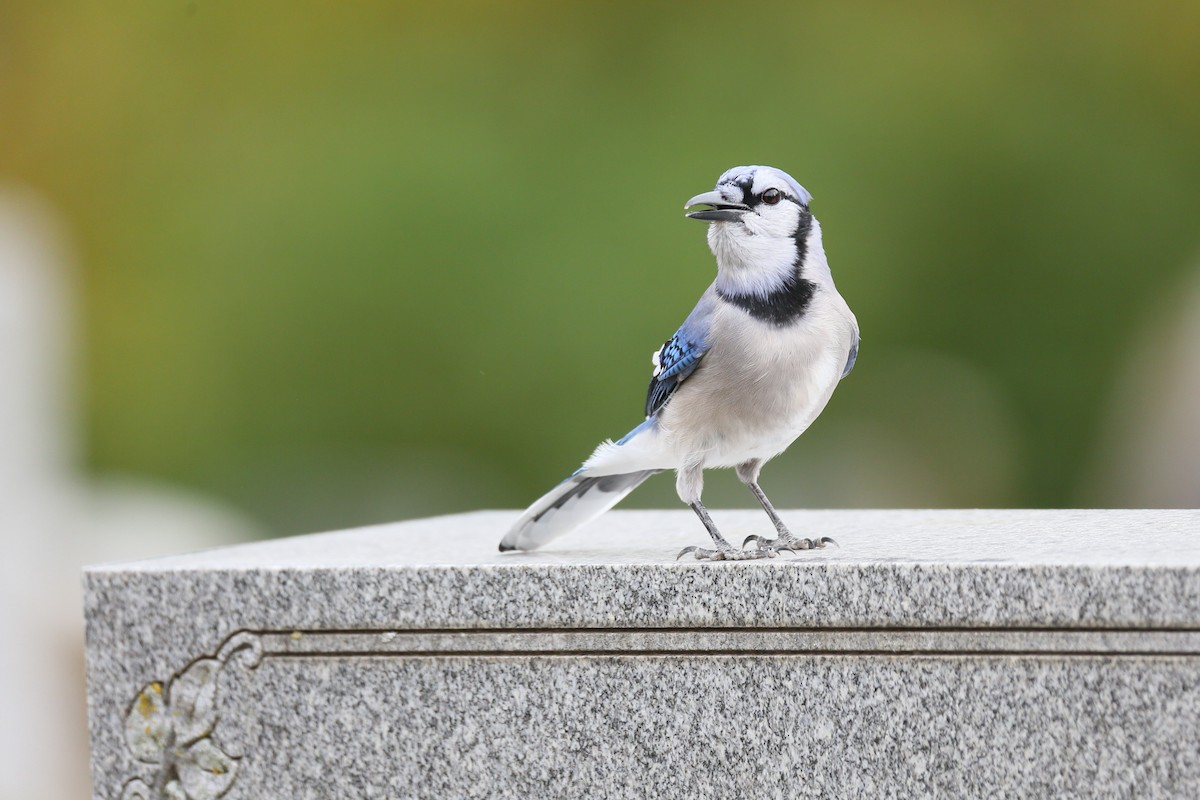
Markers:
673,363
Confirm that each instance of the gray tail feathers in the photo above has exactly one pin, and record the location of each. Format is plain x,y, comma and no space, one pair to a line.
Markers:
576,501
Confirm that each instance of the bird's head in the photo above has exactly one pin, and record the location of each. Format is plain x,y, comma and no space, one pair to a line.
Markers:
761,200
760,221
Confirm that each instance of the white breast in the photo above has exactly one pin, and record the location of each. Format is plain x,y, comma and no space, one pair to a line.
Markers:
761,385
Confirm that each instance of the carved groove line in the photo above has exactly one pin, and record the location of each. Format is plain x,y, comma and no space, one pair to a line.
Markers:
748,642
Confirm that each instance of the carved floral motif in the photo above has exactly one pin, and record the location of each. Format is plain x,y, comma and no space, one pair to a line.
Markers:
172,728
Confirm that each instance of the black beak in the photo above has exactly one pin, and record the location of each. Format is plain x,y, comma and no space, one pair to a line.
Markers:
721,211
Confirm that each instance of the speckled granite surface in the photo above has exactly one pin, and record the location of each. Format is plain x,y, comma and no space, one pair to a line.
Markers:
938,653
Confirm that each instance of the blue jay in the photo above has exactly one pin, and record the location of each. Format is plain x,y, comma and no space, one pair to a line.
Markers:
748,371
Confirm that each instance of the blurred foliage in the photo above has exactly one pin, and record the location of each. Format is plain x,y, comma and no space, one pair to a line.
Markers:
349,262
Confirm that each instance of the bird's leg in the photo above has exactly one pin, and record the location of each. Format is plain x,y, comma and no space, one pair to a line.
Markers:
723,550
717,538
785,540
688,483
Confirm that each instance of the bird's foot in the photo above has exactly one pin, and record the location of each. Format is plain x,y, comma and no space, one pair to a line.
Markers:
727,553
788,542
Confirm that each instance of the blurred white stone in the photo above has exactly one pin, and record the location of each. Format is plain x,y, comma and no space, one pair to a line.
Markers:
35,418
1149,454
52,520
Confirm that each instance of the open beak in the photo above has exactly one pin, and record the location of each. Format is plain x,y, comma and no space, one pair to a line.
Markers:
722,210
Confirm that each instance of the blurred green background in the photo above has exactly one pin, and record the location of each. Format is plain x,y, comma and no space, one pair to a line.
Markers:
346,263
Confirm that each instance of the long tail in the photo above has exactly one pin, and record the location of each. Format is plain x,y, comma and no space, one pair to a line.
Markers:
576,501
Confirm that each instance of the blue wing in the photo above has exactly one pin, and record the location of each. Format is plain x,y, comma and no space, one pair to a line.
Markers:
678,358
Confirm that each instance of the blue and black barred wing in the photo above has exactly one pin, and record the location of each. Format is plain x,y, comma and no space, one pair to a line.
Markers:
673,363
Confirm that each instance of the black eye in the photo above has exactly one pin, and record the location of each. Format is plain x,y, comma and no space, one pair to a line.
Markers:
772,196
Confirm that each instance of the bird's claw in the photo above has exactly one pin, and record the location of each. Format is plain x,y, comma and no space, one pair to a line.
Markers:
759,541
722,554
788,543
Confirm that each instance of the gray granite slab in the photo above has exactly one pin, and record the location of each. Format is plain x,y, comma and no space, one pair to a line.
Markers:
932,654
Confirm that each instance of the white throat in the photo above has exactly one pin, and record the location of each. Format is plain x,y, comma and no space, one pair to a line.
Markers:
757,263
